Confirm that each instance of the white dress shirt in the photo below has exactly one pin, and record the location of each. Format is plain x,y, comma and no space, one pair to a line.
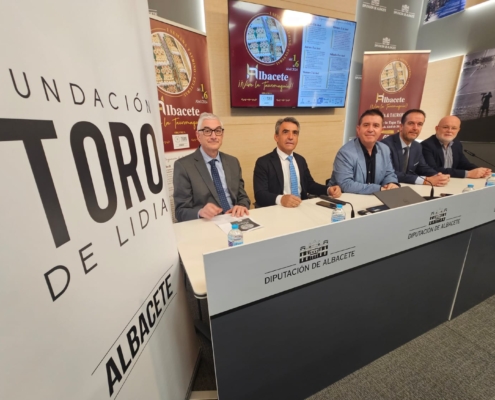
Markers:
285,170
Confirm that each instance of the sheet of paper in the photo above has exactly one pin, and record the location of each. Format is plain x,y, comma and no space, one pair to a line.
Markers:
224,222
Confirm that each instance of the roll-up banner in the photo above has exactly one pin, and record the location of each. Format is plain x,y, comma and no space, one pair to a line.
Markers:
393,82
184,91
92,301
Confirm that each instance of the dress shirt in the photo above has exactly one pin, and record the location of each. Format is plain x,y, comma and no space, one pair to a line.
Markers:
419,180
448,157
285,170
370,163
221,172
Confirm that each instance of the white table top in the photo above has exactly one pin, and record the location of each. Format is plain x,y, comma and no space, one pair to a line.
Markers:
198,237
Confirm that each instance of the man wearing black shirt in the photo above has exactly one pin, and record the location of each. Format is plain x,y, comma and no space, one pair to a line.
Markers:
363,165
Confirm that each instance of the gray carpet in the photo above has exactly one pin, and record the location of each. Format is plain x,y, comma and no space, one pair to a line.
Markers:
455,361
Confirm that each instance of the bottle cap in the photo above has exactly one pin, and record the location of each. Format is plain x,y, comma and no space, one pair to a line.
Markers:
235,226
339,206
493,175
470,185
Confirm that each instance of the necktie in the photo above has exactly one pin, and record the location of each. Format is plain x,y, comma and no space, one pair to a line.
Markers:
405,159
294,186
218,186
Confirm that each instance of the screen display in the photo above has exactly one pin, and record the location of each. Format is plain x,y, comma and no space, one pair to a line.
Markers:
284,58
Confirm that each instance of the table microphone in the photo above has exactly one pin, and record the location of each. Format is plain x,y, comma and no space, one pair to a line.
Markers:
479,158
337,201
432,191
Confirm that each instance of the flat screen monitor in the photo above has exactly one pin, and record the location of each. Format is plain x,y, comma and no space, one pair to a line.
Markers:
284,58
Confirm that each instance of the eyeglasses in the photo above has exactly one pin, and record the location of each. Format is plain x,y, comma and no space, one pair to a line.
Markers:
208,131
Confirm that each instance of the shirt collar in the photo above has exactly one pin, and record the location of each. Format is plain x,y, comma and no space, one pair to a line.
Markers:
207,158
365,150
282,155
404,144
451,143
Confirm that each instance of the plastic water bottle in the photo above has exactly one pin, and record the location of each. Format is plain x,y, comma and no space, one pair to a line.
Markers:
468,188
338,214
235,236
490,181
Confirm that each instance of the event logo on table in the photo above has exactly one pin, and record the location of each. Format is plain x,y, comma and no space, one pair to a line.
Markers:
437,220
311,256
182,78
374,5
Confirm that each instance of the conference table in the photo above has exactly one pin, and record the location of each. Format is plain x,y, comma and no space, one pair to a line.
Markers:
305,302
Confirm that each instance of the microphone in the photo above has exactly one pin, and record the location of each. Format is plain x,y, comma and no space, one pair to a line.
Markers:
479,158
337,201
432,191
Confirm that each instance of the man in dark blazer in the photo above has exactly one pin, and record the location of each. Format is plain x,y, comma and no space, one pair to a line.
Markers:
282,177
407,156
208,182
444,154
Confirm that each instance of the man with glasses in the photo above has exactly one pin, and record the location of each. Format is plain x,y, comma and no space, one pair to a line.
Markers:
282,177
208,182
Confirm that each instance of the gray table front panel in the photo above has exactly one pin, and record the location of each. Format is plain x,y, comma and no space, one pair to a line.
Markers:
294,344
478,277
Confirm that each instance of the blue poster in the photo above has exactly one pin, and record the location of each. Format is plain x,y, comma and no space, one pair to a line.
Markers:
436,9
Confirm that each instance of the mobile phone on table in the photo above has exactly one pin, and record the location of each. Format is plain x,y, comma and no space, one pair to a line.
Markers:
326,204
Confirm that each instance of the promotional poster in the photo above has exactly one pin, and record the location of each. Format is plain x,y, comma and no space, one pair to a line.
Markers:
283,58
437,9
92,298
393,82
473,102
183,82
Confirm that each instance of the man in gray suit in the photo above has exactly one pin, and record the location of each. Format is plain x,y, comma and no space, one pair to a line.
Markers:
208,182
363,165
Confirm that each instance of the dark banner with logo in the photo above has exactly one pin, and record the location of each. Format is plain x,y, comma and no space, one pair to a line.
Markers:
183,82
393,82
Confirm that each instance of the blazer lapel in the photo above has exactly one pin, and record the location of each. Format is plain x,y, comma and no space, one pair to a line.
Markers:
277,165
205,174
398,147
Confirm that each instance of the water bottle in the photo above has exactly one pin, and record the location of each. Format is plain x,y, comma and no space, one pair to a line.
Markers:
469,188
490,181
338,214
235,236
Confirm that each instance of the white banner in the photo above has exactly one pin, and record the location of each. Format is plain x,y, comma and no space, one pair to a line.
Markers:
244,274
92,301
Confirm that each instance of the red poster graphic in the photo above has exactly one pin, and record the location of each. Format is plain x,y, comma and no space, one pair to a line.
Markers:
393,82
183,82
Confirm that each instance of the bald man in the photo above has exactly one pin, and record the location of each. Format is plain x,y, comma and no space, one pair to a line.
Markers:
445,155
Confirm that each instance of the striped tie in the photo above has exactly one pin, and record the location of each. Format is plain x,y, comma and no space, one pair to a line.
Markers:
224,203
294,186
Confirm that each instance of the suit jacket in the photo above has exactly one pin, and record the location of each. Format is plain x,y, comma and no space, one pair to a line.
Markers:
194,188
349,169
433,153
416,162
269,179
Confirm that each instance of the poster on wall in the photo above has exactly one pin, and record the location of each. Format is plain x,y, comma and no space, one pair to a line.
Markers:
284,58
92,299
473,102
393,82
184,92
438,9
183,81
